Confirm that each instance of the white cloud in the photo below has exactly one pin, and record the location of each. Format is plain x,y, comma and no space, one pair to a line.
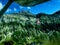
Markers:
9,10
29,7
1,6
15,9
21,7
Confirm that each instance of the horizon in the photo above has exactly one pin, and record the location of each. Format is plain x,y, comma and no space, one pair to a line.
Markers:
49,7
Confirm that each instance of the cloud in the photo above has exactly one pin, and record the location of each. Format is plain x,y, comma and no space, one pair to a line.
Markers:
21,7
29,7
1,5
15,9
8,10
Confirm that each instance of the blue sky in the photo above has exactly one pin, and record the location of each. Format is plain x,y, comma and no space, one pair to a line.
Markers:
48,7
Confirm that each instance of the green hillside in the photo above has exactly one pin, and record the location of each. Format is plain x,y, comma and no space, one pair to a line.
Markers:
22,29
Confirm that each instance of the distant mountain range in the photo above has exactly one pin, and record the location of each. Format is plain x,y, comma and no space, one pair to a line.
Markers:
50,17
56,14
28,13
48,21
25,14
21,16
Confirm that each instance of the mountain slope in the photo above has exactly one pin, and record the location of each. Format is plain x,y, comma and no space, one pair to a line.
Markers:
18,29
51,22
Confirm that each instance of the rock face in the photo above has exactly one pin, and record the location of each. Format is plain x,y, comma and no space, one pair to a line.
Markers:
30,2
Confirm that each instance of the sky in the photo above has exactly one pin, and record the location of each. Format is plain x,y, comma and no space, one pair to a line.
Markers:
49,7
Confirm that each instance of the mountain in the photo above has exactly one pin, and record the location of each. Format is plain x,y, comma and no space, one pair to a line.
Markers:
41,14
49,21
21,16
56,14
25,12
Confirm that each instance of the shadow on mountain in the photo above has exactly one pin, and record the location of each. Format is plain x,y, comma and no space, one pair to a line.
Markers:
49,22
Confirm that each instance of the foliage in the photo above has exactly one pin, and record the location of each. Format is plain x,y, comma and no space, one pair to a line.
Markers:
17,31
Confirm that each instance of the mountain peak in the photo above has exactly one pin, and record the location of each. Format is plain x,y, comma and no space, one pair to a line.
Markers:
58,12
40,14
25,12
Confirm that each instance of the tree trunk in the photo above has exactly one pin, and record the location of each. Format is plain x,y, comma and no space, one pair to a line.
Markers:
5,8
